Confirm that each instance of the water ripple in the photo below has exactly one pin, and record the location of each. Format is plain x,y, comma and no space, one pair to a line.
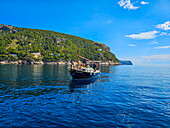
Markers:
45,96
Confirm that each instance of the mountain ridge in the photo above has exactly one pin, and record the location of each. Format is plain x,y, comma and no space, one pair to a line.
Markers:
53,46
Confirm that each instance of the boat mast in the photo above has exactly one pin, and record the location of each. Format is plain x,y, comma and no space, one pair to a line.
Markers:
78,56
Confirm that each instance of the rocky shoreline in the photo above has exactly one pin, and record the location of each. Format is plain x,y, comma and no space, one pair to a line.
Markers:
20,62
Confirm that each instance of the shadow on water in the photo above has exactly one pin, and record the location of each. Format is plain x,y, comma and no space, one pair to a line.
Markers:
81,83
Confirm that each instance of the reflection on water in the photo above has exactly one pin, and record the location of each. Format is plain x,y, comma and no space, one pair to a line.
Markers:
82,83
46,96
105,69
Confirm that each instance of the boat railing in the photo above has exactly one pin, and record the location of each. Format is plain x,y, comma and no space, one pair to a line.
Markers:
85,69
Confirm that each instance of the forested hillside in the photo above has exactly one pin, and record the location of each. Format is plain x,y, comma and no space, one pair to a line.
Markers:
41,45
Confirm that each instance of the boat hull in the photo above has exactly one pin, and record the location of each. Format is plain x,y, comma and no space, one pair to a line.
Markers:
76,74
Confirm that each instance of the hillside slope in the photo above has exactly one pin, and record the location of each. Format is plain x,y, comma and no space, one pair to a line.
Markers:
33,44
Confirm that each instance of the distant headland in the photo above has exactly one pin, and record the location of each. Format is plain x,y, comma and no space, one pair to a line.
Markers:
34,46
126,62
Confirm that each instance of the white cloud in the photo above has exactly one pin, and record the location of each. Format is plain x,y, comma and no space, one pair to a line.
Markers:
132,45
127,4
162,47
154,42
144,35
144,2
164,26
163,33
158,57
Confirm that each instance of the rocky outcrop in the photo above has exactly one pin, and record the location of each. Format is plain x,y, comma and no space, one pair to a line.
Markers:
38,62
6,27
36,55
103,46
58,40
110,63
3,62
7,62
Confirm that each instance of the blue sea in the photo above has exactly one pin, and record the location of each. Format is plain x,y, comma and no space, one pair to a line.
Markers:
46,96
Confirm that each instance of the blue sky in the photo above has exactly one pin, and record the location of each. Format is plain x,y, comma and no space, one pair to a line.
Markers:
134,30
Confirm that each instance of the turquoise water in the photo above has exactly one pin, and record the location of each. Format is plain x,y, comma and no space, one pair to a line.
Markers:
123,96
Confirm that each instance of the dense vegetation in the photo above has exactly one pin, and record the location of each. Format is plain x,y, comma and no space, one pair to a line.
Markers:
53,46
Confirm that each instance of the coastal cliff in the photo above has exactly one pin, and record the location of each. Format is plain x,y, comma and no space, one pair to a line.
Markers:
42,46
125,62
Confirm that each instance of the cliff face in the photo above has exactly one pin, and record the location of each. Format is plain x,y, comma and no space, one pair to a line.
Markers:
103,46
52,46
5,27
125,62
